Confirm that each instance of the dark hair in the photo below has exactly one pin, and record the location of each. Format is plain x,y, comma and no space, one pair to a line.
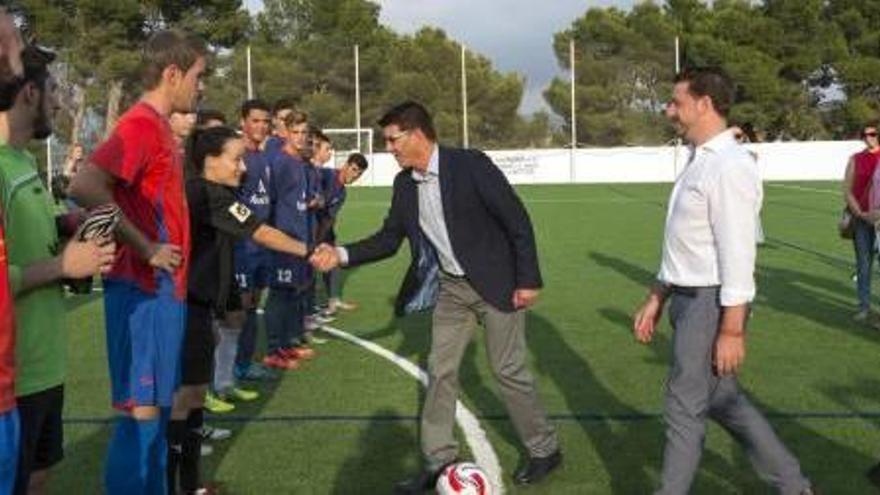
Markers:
283,104
207,114
712,82
207,142
410,115
170,47
254,104
35,61
358,160
872,124
318,134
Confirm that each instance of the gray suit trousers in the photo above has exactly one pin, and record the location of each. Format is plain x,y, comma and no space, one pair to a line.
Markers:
694,392
458,310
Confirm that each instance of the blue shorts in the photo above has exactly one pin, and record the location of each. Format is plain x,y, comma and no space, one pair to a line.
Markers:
144,341
10,436
291,272
253,266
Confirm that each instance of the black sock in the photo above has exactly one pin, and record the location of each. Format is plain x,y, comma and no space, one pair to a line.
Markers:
192,451
176,434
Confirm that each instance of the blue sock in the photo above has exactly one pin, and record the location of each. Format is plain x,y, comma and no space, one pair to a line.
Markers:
131,458
157,479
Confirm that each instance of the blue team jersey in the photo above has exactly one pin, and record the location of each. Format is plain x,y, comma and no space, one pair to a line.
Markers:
273,145
334,191
254,190
289,194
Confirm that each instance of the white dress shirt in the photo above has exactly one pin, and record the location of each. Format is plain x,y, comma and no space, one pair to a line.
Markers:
709,238
431,218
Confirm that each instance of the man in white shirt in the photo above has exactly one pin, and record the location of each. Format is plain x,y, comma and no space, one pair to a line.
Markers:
707,271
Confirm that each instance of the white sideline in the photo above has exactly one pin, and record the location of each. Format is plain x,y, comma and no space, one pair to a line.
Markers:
475,436
836,192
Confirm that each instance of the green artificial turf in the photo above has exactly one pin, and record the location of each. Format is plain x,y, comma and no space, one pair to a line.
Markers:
345,423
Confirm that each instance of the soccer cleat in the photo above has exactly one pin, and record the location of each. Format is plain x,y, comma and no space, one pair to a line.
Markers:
217,405
298,352
206,450
255,372
336,304
322,319
279,362
310,323
240,394
214,434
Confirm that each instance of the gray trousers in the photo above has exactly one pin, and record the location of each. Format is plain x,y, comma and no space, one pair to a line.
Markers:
458,309
694,392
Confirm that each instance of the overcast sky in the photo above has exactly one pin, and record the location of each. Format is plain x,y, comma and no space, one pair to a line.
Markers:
517,35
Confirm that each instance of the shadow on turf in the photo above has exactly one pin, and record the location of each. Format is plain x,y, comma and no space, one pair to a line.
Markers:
831,465
384,457
798,293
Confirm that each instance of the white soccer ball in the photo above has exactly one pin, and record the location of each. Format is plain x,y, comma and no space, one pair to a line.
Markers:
464,478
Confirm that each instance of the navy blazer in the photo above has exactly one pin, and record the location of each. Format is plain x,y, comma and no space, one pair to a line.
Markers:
489,229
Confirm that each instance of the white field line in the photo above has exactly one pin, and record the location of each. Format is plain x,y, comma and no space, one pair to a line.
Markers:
802,188
475,436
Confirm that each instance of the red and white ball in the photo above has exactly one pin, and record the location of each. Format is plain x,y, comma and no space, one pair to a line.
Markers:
464,478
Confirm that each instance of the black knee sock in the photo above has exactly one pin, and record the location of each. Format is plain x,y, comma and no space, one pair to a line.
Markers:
192,451
176,434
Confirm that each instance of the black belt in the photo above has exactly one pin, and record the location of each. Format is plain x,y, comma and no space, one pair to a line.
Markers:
688,291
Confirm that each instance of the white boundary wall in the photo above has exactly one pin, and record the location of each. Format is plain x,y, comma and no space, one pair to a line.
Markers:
806,161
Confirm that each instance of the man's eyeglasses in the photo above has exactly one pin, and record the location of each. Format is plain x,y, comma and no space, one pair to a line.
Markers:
396,137
868,134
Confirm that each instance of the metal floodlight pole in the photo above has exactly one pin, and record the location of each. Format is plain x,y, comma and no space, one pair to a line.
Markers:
464,107
357,94
250,83
49,167
573,150
677,147
677,57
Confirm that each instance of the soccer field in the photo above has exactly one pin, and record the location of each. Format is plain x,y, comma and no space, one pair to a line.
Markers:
346,423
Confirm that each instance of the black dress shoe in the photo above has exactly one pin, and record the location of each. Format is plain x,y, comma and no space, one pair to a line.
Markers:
537,468
425,481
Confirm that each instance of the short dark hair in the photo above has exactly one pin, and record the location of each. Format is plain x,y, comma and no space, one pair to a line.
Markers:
410,115
207,142
35,61
206,114
318,134
358,160
283,104
170,47
712,82
254,104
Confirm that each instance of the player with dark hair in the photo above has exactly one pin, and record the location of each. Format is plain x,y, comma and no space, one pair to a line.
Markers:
218,219
140,169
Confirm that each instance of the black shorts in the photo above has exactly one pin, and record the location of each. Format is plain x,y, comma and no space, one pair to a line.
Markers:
42,434
198,346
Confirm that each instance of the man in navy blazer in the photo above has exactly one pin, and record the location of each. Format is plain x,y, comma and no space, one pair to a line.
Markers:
474,260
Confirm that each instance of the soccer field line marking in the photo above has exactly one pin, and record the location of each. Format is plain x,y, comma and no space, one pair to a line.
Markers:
474,435
584,417
804,188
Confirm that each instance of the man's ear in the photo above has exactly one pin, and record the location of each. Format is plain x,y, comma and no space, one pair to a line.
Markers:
172,74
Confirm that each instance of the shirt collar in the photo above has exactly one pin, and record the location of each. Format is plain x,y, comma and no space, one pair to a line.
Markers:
718,142
433,167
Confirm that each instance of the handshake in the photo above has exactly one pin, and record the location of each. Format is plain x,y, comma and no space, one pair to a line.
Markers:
325,258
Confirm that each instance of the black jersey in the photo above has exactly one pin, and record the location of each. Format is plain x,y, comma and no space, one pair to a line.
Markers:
217,220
